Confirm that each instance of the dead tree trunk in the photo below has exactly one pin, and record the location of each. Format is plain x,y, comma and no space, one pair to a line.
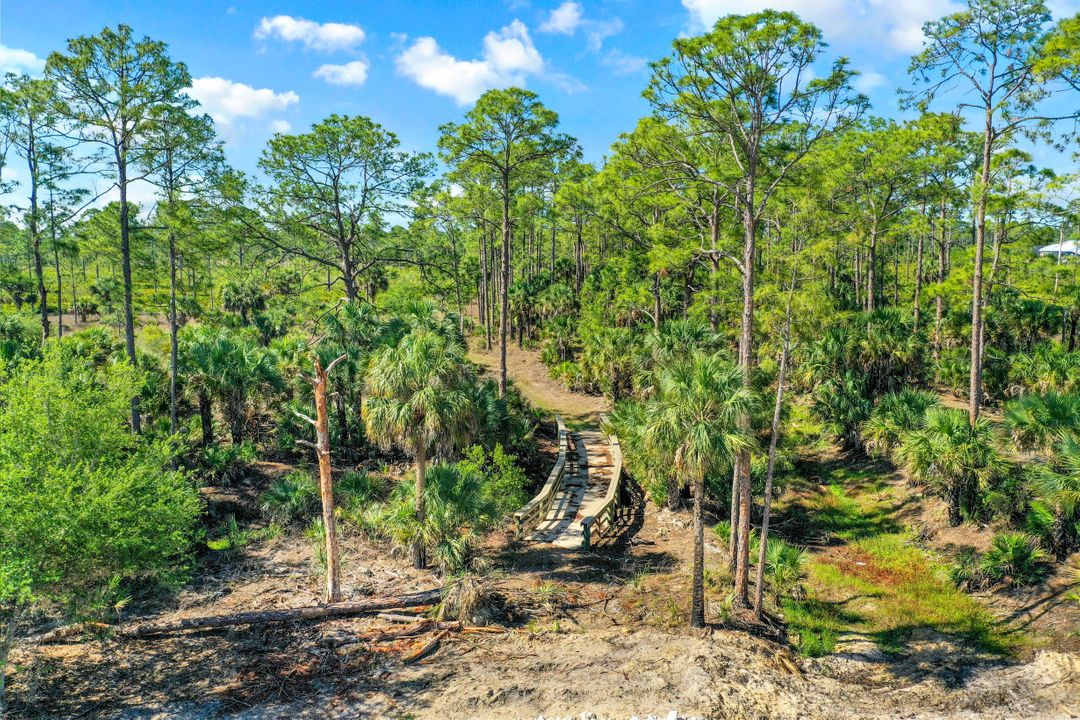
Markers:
321,423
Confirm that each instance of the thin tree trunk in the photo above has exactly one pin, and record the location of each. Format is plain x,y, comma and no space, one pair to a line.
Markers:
746,361
918,282
326,481
173,347
697,592
504,309
975,389
125,263
733,533
759,590
419,551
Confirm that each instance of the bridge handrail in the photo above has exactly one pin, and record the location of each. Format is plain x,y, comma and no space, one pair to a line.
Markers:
536,509
600,523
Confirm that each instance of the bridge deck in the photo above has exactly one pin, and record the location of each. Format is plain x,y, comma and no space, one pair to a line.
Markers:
583,488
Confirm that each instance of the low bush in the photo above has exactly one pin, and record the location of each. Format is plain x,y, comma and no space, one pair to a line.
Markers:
292,498
1014,560
785,566
456,511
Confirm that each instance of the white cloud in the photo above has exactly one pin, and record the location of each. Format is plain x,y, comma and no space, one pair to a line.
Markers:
280,126
569,17
226,100
623,64
896,24
352,73
508,58
315,36
14,60
869,80
596,31
564,19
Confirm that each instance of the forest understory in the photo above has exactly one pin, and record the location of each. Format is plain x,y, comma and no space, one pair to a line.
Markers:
599,632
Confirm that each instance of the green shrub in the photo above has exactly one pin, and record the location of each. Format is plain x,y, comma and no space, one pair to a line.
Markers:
356,488
965,572
224,464
785,565
85,505
292,498
895,414
456,509
1014,560
503,481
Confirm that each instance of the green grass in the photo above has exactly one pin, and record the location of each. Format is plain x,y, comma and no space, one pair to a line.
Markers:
885,588
870,578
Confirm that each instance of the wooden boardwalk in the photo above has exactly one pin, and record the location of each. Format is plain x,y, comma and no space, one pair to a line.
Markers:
582,492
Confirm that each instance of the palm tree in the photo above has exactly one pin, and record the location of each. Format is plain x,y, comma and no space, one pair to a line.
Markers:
243,295
195,351
419,397
227,366
953,456
694,422
1058,485
895,415
1037,422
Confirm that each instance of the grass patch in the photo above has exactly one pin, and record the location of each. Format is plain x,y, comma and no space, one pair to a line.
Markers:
872,579
885,588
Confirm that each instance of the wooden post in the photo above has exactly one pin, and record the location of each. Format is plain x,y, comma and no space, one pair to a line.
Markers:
321,446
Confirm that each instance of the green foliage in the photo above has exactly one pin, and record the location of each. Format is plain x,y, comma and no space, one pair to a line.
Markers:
419,394
87,505
355,489
857,360
1014,560
1049,367
785,566
895,415
956,459
456,509
291,499
230,368
20,338
1041,421
224,464
504,483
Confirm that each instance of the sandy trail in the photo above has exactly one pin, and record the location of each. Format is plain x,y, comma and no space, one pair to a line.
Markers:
532,379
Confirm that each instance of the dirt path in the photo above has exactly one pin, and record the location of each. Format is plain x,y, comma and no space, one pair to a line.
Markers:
532,379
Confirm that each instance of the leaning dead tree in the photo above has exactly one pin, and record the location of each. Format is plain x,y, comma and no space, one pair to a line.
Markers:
321,446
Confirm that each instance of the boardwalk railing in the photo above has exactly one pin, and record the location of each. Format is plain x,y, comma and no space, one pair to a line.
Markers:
537,509
601,522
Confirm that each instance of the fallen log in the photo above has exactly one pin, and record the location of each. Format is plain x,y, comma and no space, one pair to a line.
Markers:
427,648
65,631
398,617
261,617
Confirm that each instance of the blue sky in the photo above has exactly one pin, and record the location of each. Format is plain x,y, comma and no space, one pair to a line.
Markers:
284,64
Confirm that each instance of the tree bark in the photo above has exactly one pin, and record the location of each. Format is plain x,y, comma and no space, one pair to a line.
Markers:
504,309
173,347
975,388
697,592
310,612
419,551
746,361
125,264
326,482
918,283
